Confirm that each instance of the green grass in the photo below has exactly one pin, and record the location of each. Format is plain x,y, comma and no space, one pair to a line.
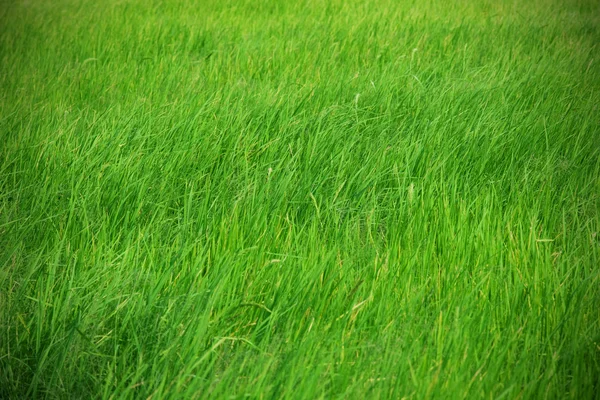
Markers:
308,199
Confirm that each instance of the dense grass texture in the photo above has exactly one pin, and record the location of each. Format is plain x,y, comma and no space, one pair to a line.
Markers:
299,199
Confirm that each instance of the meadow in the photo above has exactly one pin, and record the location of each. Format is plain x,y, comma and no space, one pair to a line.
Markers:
300,199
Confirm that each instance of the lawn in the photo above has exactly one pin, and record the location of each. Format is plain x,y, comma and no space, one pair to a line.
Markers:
306,199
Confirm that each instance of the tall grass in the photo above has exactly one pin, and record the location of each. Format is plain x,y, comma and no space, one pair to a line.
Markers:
308,199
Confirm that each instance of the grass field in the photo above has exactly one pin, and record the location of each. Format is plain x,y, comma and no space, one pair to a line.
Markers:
299,199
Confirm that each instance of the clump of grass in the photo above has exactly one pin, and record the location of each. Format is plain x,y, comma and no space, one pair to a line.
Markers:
299,199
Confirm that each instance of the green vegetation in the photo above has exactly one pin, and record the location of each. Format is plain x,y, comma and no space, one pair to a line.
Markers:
309,199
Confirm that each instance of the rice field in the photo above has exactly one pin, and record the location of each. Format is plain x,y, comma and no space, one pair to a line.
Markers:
308,199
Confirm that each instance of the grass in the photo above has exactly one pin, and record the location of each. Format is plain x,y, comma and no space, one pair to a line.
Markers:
308,199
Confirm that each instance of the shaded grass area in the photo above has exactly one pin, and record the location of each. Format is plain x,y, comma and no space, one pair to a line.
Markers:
348,199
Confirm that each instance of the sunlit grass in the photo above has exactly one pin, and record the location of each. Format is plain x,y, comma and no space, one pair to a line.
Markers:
269,199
